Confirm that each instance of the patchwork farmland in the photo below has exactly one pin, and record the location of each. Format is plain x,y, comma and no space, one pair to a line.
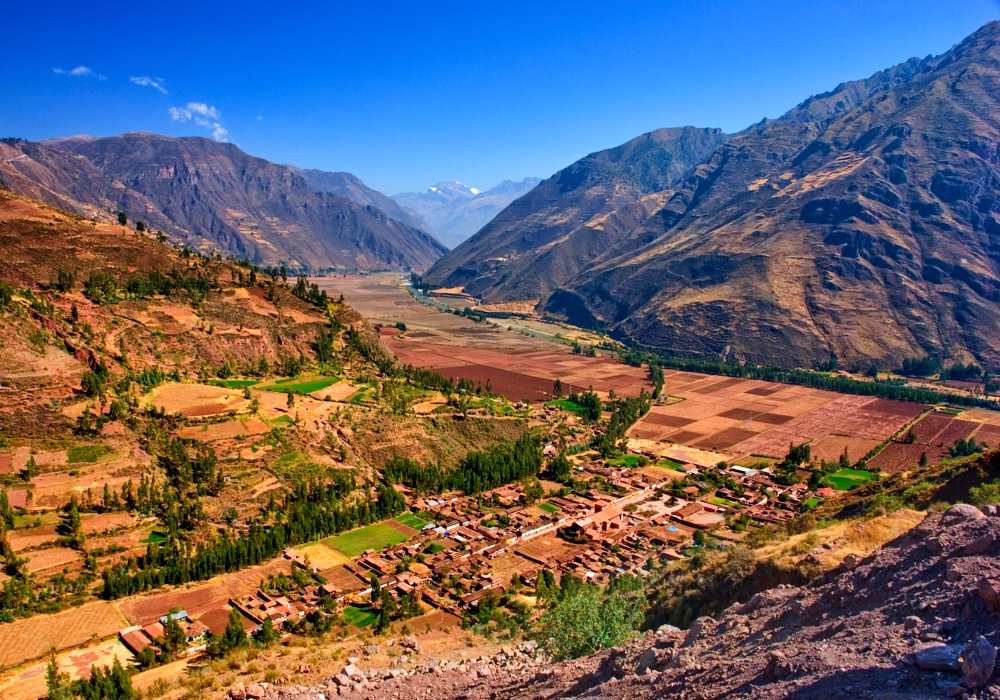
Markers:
516,365
742,417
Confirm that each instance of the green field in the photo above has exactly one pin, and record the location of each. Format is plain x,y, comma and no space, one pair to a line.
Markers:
433,548
567,405
86,453
811,503
669,463
282,421
234,383
355,542
302,386
359,616
626,461
846,479
549,507
719,501
360,395
951,411
154,536
411,520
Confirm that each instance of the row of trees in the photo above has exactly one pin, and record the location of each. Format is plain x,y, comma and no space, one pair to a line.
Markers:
310,512
479,471
103,288
818,380
624,414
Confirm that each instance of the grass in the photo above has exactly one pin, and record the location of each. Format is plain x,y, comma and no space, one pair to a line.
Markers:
567,405
360,616
234,383
360,395
625,461
411,520
281,421
434,548
951,411
154,536
86,453
303,386
719,501
846,479
33,520
669,463
549,507
811,503
355,542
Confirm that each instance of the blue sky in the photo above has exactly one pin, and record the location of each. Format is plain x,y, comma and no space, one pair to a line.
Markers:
404,94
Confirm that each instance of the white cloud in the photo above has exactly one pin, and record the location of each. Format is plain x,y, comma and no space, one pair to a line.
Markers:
202,115
79,72
146,81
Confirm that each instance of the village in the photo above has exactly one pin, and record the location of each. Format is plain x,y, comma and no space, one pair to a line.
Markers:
610,518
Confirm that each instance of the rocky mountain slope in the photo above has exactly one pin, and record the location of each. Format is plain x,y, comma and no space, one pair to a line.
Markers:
545,238
214,196
351,187
454,211
915,619
863,223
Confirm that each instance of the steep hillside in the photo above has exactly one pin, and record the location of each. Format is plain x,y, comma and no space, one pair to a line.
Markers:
455,211
862,224
351,187
544,238
215,197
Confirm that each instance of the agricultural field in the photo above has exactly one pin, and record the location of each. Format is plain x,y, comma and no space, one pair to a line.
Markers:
846,479
750,417
299,385
567,405
359,616
516,365
31,638
376,536
411,520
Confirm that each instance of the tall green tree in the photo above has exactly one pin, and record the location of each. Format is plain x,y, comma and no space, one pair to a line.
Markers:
586,620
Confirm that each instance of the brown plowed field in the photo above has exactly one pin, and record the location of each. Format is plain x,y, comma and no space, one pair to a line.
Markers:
31,638
898,457
929,426
832,447
990,434
956,430
512,385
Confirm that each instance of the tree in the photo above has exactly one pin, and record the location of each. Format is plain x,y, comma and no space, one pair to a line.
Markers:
266,635
324,345
557,387
122,220
585,620
173,641
139,226
560,467
923,459
235,636
57,683
376,594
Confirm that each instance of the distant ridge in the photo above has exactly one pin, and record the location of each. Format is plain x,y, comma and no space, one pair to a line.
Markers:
213,196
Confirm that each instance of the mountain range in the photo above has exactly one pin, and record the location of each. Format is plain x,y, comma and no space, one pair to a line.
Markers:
454,211
213,196
863,224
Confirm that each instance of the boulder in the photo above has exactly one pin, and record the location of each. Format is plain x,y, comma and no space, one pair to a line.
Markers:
647,660
353,672
912,622
934,546
697,628
372,649
238,692
960,512
778,668
342,680
991,511
980,657
255,691
978,546
936,656
408,642
667,629
989,591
